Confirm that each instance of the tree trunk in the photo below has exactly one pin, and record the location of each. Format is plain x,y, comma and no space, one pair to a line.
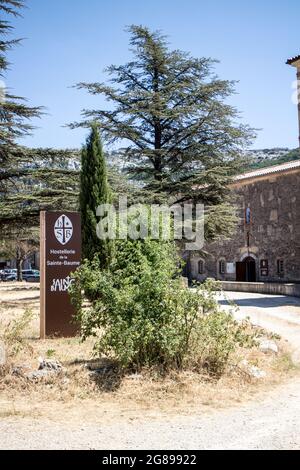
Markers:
19,263
189,269
157,128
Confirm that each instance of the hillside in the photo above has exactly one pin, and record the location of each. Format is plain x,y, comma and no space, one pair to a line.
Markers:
269,157
70,158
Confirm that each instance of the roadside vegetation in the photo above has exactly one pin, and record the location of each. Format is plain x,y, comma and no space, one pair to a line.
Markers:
141,313
89,384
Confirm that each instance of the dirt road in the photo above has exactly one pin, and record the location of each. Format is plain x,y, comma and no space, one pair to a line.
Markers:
272,422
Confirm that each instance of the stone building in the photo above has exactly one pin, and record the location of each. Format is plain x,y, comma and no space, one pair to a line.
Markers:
266,245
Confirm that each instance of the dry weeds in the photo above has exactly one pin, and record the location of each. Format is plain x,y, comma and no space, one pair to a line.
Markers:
78,392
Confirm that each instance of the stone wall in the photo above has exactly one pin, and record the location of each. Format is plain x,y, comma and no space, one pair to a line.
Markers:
272,288
274,231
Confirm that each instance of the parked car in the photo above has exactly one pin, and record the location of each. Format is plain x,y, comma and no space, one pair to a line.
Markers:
31,275
11,278
9,275
28,275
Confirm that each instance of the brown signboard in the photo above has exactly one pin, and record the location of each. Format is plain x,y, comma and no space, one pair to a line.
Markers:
60,256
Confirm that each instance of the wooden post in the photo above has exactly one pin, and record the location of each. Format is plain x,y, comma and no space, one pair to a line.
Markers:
42,274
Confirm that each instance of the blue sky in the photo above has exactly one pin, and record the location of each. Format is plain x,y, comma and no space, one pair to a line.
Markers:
68,41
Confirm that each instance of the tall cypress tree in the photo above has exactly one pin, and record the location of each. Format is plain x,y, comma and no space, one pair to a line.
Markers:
94,191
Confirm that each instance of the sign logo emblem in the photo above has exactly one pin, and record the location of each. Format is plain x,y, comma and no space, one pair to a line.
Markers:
63,229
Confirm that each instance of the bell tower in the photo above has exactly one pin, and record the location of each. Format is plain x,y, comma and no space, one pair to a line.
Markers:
295,62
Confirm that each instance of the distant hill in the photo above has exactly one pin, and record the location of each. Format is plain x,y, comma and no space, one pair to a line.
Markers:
256,158
270,157
70,158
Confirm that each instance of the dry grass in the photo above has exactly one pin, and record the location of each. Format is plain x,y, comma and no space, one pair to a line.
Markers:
78,393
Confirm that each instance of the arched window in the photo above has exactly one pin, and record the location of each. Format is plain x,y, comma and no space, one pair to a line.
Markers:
280,267
222,266
201,266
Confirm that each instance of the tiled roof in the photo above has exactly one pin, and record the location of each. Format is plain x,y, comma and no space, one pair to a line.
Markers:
292,60
269,170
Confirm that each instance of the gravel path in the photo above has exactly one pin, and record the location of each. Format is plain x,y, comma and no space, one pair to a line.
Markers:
273,423
277,313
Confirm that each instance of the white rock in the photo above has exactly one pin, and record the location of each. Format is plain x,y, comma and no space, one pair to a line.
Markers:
253,371
256,372
39,374
47,364
266,345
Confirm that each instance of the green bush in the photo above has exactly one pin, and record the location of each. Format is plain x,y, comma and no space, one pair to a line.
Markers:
13,333
141,313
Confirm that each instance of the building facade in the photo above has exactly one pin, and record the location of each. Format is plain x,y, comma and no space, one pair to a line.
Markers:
32,262
266,244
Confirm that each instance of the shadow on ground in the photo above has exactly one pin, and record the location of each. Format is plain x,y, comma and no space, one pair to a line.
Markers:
263,302
106,374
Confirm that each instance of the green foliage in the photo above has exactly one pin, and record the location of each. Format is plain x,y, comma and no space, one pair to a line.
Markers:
15,115
141,313
45,179
94,191
40,179
184,141
217,337
50,353
220,221
12,333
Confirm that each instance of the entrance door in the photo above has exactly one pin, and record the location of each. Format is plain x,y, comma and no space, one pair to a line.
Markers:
241,271
246,270
250,270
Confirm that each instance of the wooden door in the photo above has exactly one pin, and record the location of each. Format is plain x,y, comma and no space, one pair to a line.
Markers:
240,271
251,271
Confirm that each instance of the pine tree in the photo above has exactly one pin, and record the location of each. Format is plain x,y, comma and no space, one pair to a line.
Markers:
183,139
15,118
46,179
94,190
40,179
30,179
14,113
